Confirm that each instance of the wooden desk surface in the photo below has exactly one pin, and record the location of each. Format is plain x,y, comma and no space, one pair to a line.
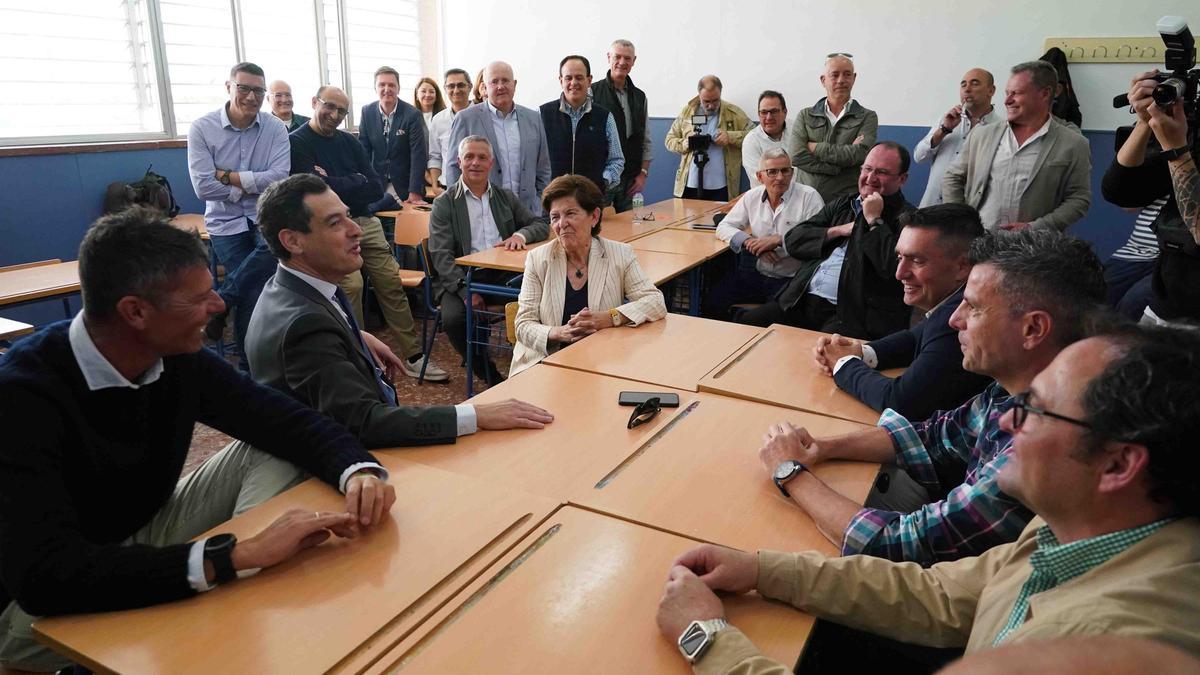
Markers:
578,595
191,221
662,267
674,211
497,258
700,477
785,353
685,242
338,606
10,329
622,227
587,439
677,351
706,217
43,281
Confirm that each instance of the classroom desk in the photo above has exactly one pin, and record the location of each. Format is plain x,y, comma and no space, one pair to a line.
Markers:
338,606
677,351
579,595
700,476
10,329
795,382
676,211
696,242
705,218
39,283
191,221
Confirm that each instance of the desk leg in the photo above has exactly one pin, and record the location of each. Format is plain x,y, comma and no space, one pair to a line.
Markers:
694,291
470,336
67,306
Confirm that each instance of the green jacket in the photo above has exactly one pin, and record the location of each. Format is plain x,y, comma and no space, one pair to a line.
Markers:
832,168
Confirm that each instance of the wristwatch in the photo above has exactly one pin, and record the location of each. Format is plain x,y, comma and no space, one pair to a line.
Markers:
1176,153
218,550
698,637
785,472
945,131
616,316
224,178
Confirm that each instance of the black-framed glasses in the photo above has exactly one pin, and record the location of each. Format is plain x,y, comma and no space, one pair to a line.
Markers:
786,171
1021,410
247,89
342,112
457,85
644,412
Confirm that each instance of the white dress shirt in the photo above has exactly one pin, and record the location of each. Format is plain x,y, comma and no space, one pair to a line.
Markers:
755,143
945,153
439,135
753,216
1012,168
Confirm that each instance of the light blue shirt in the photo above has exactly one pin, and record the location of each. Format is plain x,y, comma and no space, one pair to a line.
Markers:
714,171
260,154
824,283
615,163
508,147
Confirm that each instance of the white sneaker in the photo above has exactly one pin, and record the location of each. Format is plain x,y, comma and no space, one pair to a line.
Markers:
432,372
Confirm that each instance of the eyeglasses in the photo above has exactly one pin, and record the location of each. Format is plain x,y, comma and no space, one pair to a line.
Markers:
1021,410
341,112
247,89
769,113
787,171
882,173
458,85
836,54
644,412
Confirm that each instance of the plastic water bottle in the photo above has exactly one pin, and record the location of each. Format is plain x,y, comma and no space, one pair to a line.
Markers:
638,202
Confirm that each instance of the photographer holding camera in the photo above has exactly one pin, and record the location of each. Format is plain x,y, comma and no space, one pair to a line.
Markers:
1166,117
708,133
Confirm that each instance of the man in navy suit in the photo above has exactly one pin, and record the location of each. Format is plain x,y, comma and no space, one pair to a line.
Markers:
933,267
516,134
393,135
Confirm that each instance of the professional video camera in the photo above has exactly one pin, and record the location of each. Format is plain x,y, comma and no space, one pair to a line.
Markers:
1180,85
698,145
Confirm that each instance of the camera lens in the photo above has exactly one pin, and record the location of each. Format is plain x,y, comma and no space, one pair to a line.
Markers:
1166,93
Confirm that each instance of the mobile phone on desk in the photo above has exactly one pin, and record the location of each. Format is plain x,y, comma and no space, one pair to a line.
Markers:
665,400
704,226
422,208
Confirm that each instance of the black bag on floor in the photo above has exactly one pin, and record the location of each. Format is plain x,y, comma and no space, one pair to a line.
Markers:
152,190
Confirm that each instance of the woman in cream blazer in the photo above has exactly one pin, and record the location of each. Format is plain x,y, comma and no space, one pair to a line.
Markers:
578,257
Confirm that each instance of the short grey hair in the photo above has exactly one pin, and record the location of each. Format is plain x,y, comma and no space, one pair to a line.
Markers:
622,42
1043,75
475,139
772,153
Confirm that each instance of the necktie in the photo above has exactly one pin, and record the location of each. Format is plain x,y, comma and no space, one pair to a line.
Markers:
385,388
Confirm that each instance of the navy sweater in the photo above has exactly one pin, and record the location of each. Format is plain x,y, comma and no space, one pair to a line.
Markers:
81,471
348,170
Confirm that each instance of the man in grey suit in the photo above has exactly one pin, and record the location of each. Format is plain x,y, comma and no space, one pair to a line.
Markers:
472,215
516,134
304,341
1032,171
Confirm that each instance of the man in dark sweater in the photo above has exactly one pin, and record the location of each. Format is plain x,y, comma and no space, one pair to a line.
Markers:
322,149
847,281
99,413
933,266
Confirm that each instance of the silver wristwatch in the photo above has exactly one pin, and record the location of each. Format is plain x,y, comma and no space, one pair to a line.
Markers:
785,472
698,637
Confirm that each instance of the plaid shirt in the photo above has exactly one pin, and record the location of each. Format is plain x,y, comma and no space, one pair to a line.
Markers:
956,455
1054,564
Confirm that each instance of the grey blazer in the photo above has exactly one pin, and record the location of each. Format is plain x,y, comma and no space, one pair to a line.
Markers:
450,231
299,344
535,154
1058,193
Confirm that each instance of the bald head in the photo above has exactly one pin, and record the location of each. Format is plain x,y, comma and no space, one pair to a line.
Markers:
330,107
710,87
279,94
501,85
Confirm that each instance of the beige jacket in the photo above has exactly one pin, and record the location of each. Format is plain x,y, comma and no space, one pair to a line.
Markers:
1151,590
613,275
732,121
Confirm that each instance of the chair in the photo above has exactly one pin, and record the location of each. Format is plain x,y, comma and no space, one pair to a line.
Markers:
510,322
430,310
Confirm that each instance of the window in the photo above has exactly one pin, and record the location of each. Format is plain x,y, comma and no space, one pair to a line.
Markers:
77,69
99,70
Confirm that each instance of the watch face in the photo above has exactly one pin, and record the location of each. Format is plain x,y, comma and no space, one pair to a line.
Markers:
692,638
784,470
220,541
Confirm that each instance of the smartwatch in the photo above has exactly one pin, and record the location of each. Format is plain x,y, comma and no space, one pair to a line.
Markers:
785,472
224,178
698,637
1176,153
218,550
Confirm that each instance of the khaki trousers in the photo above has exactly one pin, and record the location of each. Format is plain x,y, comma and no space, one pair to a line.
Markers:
380,264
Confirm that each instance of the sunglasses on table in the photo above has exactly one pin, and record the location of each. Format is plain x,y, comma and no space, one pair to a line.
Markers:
644,412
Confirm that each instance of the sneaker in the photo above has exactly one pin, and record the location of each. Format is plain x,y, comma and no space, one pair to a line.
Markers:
432,372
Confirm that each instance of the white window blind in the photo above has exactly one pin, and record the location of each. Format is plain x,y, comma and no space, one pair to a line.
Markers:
81,67
380,34
200,48
282,39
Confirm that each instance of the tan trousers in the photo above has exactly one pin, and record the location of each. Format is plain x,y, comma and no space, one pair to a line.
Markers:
380,264
234,480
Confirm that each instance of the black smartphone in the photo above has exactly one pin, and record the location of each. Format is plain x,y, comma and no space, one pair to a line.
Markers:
422,208
665,400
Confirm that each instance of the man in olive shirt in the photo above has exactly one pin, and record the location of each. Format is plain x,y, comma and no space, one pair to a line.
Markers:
1111,477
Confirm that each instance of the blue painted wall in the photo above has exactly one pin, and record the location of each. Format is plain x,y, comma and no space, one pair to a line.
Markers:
48,201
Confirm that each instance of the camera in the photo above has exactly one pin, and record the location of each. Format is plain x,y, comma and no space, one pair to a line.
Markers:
699,142
1180,84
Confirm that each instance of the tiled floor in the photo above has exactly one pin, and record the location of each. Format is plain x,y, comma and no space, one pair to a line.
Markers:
207,441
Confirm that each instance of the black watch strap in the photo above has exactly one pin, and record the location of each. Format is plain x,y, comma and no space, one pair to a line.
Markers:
218,550
945,131
1176,153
